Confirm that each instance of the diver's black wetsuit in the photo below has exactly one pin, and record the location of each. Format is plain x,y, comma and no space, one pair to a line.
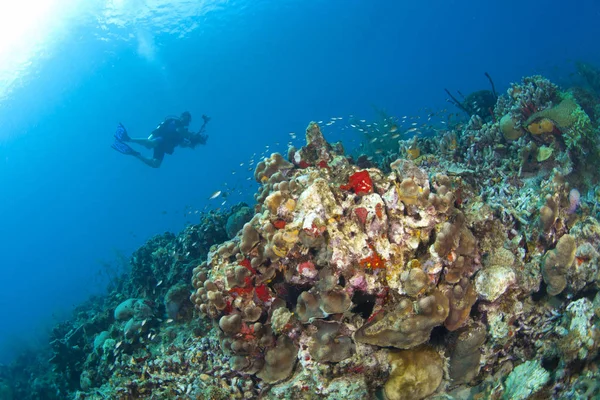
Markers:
168,135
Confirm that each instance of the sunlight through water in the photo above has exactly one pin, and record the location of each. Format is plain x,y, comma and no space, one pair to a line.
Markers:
30,29
24,26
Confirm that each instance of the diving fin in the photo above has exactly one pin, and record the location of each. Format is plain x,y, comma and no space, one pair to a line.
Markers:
121,133
124,148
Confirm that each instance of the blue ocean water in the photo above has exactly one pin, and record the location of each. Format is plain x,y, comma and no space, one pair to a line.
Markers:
72,208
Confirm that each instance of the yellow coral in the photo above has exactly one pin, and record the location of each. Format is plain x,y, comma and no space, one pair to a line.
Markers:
290,236
544,125
544,153
290,205
416,374
413,153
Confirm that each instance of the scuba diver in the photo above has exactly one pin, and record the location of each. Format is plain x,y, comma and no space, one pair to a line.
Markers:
172,132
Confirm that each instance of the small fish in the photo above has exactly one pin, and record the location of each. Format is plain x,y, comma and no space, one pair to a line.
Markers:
215,195
396,136
373,140
393,129
412,130
223,203
241,164
159,283
169,320
118,344
144,322
414,123
352,125
363,120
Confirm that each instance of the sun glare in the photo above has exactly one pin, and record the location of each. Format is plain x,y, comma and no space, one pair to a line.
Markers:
24,27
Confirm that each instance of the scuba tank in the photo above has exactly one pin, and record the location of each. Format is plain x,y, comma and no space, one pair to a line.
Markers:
169,125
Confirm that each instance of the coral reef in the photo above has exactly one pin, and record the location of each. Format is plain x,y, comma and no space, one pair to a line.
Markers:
467,267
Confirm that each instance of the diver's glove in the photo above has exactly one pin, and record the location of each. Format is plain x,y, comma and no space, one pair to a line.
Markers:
202,138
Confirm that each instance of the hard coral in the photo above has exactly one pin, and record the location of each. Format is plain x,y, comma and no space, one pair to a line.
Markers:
494,281
270,166
407,325
415,374
317,152
510,128
548,214
465,353
279,361
328,344
461,297
556,264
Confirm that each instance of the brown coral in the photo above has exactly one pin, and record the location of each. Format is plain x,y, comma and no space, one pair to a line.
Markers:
279,361
557,262
328,344
548,214
407,325
415,374
270,166
465,354
461,298
308,307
